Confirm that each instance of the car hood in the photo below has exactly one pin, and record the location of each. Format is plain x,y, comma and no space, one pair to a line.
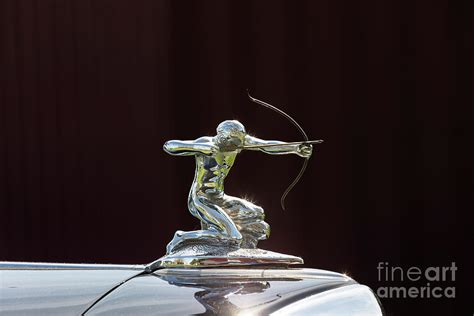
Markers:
45,289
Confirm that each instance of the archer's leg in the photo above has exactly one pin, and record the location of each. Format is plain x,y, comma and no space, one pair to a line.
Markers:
215,222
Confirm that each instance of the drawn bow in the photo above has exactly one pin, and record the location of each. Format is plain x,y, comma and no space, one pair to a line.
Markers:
305,137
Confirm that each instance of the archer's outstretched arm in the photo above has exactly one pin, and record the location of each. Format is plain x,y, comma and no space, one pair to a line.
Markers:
302,150
202,145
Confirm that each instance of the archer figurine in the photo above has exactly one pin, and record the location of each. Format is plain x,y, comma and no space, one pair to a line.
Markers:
225,218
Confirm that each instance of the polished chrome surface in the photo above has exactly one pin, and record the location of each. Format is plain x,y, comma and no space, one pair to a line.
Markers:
39,290
237,292
227,222
195,257
256,273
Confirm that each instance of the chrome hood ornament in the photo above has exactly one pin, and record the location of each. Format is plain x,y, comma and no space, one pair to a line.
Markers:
231,227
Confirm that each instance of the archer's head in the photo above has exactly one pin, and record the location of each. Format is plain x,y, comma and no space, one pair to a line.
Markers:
230,134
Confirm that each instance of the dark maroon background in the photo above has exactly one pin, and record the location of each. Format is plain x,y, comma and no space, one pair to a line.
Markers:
90,90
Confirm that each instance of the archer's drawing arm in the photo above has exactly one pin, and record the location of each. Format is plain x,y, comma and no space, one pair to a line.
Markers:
302,150
202,145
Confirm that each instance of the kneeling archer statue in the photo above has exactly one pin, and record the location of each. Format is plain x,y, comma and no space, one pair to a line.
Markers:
230,226
223,216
